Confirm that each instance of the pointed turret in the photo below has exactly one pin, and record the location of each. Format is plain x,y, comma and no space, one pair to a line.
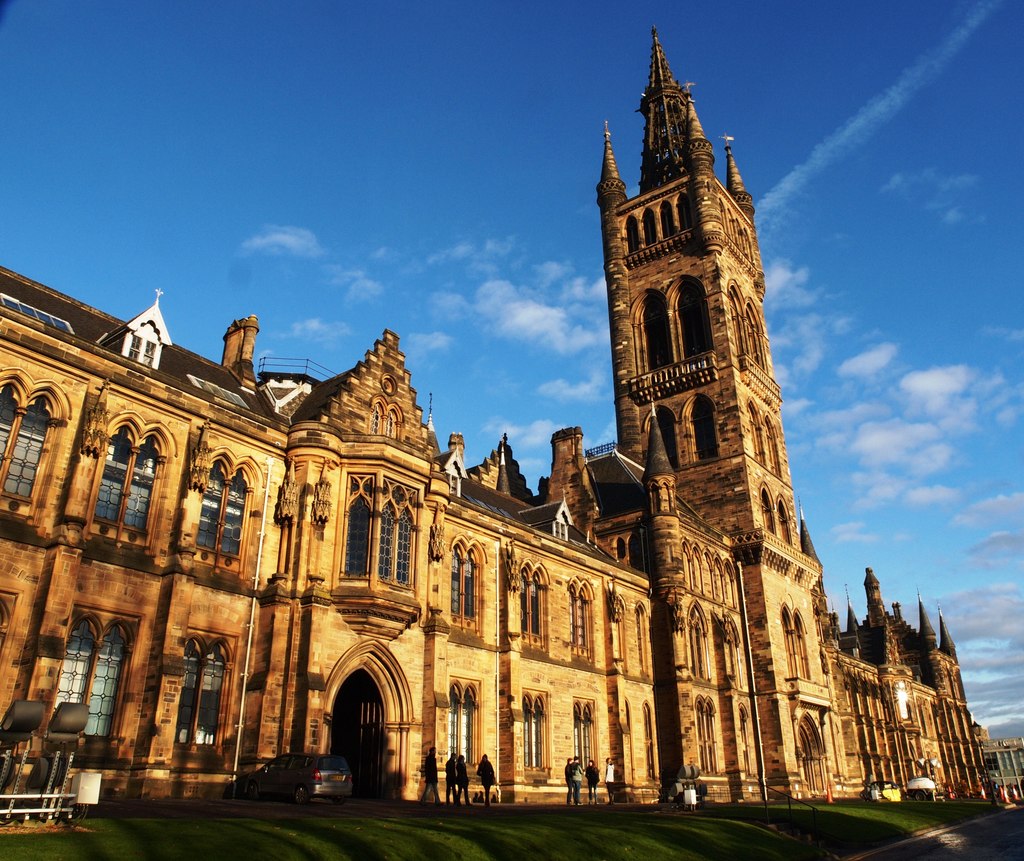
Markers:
610,179
734,183
946,643
503,482
657,463
927,631
876,606
806,545
664,108
851,619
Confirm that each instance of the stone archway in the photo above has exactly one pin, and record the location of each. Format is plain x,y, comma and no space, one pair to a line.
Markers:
357,732
370,717
812,756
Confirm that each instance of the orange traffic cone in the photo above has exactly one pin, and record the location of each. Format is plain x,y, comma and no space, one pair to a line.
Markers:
828,794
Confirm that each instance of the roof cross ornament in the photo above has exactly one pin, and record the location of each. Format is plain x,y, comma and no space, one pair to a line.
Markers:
159,293
688,85
728,140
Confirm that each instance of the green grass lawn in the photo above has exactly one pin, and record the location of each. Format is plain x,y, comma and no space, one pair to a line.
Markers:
862,822
646,836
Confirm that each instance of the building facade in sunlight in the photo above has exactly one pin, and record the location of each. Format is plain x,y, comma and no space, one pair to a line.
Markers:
228,563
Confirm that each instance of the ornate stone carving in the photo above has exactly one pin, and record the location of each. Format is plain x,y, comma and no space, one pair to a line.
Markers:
676,610
199,463
616,604
437,545
320,507
287,507
94,434
512,581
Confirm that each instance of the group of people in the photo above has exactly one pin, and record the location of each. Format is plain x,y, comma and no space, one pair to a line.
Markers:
456,779
575,773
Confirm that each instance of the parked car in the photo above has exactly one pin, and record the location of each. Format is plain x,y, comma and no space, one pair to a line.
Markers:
921,789
882,790
302,776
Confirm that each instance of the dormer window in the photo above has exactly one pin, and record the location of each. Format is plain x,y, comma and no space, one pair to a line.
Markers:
560,529
143,347
141,340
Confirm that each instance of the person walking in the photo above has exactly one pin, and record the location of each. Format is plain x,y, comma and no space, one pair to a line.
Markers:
577,779
609,777
485,771
461,780
568,781
451,786
430,774
593,778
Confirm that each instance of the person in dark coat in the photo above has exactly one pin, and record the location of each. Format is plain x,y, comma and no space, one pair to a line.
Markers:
461,779
485,771
451,785
593,778
576,772
430,775
568,781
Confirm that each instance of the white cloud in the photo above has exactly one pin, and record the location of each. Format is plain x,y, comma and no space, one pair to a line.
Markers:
917,447
996,509
939,194
786,287
281,239
870,362
939,393
852,532
534,434
358,286
423,343
937,494
317,330
1000,549
877,111
591,390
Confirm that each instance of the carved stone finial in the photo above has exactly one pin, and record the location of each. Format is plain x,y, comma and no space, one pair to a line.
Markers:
512,581
199,463
436,547
320,507
616,604
94,434
287,507
676,611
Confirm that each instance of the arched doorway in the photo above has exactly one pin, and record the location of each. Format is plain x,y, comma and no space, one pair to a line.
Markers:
812,757
357,732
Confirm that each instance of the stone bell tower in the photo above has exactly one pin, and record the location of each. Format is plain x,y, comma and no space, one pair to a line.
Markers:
690,351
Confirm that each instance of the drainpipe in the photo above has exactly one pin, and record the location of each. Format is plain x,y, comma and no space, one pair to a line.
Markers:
252,623
497,666
755,715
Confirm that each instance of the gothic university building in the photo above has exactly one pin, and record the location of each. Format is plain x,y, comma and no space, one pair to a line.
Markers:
228,564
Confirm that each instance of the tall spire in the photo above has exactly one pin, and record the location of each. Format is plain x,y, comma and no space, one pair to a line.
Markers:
657,458
876,606
946,643
734,182
610,179
663,105
851,618
503,482
806,545
927,631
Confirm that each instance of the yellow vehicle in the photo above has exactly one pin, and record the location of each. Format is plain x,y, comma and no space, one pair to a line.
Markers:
882,790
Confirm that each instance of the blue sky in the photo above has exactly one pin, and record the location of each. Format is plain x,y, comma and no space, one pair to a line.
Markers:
430,168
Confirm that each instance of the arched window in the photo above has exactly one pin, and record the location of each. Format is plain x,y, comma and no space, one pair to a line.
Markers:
376,419
785,533
668,224
636,552
771,447
706,736
767,512
667,426
394,548
704,436
580,618
650,228
755,344
648,742
96,668
127,483
632,235
698,646
530,604
642,646
800,636
655,323
199,702
463,585
693,318
357,535
582,730
462,706
757,431
789,633
22,434
533,732
683,208
221,518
